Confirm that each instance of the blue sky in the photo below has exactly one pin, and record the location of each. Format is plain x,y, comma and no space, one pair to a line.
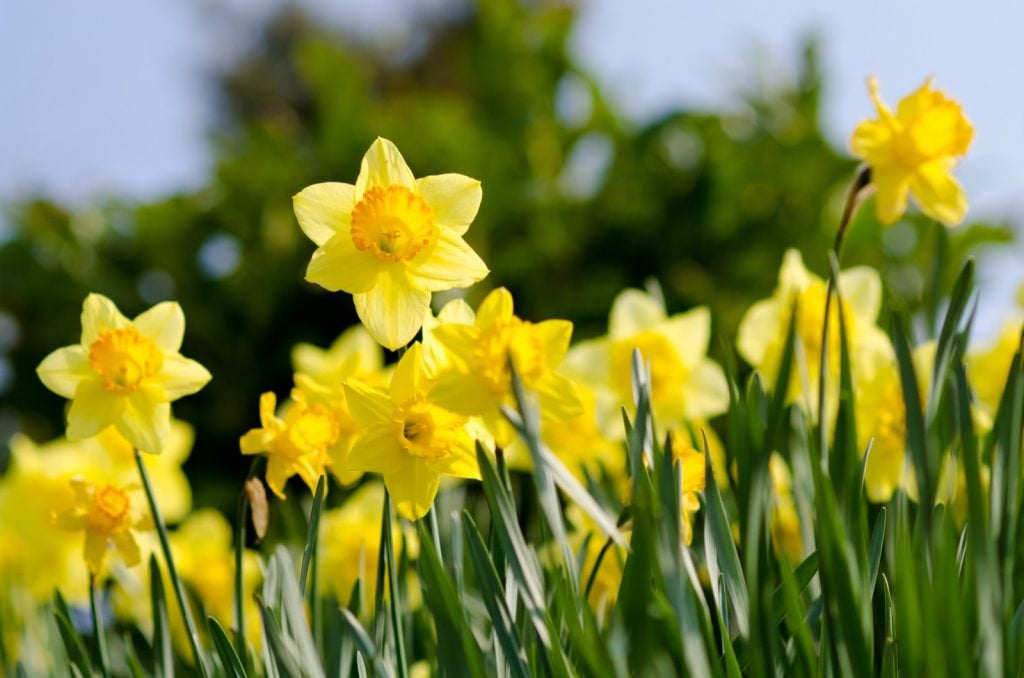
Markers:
112,97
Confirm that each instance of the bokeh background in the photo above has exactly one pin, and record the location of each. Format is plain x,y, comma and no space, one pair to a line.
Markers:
149,151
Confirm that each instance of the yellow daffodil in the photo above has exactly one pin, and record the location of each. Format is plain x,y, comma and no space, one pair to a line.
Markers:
107,516
692,464
785,520
608,575
350,543
685,384
914,150
762,332
125,373
298,443
408,437
320,374
479,381
989,367
391,240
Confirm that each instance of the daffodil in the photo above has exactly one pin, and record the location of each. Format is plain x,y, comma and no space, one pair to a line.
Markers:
391,240
989,367
785,526
320,375
692,464
296,443
914,150
763,329
686,385
607,577
479,381
408,437
107,516
125,373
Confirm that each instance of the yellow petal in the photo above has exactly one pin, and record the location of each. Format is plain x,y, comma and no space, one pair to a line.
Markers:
872,140
690,334
454,199
324,209
378,451
634,311
407,380
181,376
460,462
892,186
554,337
450,263
99,313
164,324
883,472
938,193
279,470
393,311
93,409
458,342
95,550
255,441
589,362
861,288
383,165
146,420
759,328
127,548
338,266
413,489
874,89
268,409
705,391
793,275
62,370
368,405
464,393
456,312
559,399
495,308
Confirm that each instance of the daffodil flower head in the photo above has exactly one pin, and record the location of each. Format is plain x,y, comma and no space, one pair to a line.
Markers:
297,443
408,437
763,329
107,516
914,150
691,461
125,373
686,385
479,382
391,240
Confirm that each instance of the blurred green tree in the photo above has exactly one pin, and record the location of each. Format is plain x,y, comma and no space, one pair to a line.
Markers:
579,202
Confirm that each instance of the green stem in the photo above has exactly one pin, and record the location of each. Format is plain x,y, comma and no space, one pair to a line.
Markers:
97,628
435,532
242,518
396,603
179,589
309,558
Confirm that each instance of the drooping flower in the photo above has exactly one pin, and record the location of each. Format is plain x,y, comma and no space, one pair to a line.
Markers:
914,150
125,373
107,516
295,443
391,240
686,385
479,382
408,437
762,333
321,373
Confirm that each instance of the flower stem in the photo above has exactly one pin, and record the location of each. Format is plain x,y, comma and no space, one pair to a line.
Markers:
241,518
97,628
179,589
309,559
396,603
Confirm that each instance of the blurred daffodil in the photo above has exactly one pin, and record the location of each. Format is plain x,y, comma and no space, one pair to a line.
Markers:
914,150
989,367
391,240
785,526
408,437
692,465
763,329
107,516
295,443
479,381
686,385
124,373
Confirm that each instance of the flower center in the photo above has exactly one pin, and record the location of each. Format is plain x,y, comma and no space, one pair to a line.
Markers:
109,509
394,223
427,431
311,429
123,357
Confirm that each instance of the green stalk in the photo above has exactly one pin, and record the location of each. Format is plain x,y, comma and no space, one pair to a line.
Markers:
309,558
242,519
435,532
396,603
179,589
97,629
